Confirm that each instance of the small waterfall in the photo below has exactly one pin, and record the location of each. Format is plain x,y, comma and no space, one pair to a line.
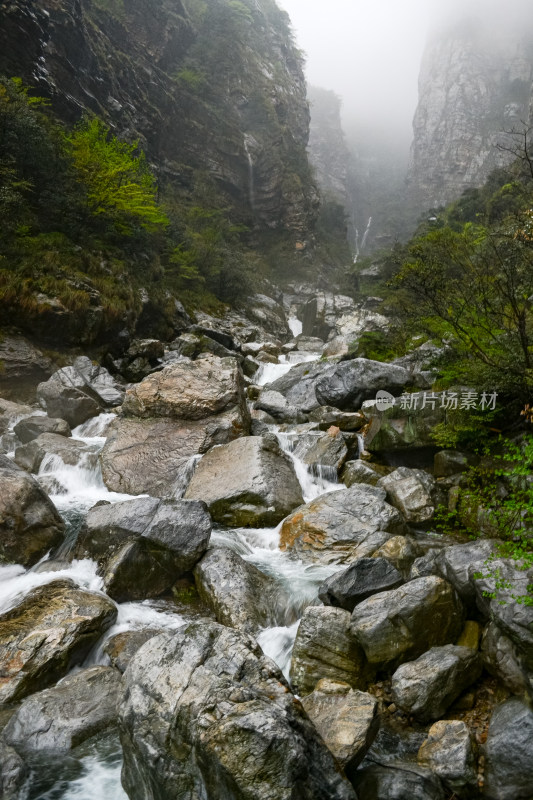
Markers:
251,179
360,444
316,479
367,231
295,326
184,476
360,247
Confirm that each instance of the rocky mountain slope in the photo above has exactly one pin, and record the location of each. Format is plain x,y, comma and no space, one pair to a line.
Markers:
475,87
211,89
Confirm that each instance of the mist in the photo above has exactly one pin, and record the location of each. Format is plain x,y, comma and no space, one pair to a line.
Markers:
369,53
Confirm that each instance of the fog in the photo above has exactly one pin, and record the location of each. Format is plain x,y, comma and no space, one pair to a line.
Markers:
369,52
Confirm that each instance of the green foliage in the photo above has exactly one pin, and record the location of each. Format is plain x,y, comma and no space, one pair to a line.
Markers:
378,346
118,183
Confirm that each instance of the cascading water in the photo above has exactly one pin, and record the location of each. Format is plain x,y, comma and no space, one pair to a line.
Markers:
360,247
251,178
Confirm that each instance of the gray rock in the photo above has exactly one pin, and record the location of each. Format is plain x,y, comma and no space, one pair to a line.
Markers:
449,462
360,471
425,688
400,428
325,648
400,551
23,367
460,562
13,773
350,383
29,523
122,647
363,578
249,482
449,753
322,449
347,721
298,385
32,427
30,456
509,752
326,416
79,392
403,781
143,546
204,708
424,565
503,660
60,718
239,594
50,631
411,491
309,344
333,528
274,404
395,626
260,423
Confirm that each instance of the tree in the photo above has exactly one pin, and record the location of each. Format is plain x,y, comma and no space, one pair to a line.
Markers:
119,186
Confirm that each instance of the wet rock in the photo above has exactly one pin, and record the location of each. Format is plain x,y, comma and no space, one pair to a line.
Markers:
502,659
459,563
239,594
10,412
425,688
326,416
346,720
261,422
182,411
249,482
192,345
79,392
449,753
332,528
13,773
350,383
509,752
274,404
60,718
23,368
322,449
360,471
424,565
363,578
400,551
449,462
309,344
32,427
30,456
122,647
403,781
399,428
411,492
298,385
143,546
325,648
250,366
29,523
204,707
395,626
51,630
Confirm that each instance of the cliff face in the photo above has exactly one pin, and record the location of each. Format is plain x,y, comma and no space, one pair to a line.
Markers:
328,152
213,89
475,87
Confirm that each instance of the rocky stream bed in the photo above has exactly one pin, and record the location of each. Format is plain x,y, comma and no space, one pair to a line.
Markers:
221,580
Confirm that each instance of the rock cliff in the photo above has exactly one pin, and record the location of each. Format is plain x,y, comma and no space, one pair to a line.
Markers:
475,87
211,89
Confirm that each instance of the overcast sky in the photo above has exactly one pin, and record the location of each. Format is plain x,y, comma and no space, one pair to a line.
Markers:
368,52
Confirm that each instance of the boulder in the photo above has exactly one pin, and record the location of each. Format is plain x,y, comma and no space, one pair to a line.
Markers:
122,647
298,385
425,688
60,718
509,752
178,413
399,625
204,708
402,781
239,594
411,492
459,563
346,720
325,648
79,392
363,578
322,449
331,528
309,344
32,427
449,753
50,631
360,471
274,404
188,390
248,482
503,660
11,413
402,427
142,546
23,367
225,339
350,383
326,416
31,455
13,773
400,551
449,462
29,523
